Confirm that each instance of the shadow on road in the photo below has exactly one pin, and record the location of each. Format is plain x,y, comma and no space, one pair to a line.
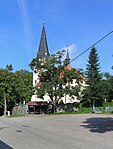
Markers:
4,145
98,124
3,128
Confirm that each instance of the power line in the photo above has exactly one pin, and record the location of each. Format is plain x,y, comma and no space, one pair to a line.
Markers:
92,46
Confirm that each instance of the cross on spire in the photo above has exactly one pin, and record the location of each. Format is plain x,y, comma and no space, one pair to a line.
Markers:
43,22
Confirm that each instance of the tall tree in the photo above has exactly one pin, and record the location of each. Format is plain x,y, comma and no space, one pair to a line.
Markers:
23,85
107,86
93,76
15,87
7,87
54,78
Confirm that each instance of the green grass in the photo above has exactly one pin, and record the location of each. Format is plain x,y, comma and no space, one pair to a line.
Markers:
59,113
17,115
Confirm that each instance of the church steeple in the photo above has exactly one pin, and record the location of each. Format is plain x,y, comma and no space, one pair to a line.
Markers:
67,60
43,46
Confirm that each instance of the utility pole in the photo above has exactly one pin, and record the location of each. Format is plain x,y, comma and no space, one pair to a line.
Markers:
5,105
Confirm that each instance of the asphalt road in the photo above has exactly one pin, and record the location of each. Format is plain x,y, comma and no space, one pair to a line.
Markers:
88,131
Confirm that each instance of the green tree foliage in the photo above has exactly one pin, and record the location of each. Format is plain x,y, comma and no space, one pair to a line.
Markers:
54,78
106,86
7,87
15,86
92,93
23,85
9,67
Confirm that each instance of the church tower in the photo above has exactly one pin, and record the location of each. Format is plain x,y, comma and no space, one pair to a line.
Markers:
41,53
67,59
43,46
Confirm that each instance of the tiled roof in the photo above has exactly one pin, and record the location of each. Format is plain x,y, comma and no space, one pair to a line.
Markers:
68,67
37,103
38,84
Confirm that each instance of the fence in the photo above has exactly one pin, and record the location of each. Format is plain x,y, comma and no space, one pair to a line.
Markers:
97,110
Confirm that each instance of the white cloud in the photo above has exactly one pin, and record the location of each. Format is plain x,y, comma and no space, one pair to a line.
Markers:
72,51
26,24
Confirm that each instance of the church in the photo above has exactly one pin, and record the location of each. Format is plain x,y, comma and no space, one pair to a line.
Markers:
38,105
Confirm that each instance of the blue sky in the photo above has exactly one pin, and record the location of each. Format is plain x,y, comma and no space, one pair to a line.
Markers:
76,23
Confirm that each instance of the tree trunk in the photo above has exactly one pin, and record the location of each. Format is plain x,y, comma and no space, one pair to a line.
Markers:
5,104
93,107
54,106
53,110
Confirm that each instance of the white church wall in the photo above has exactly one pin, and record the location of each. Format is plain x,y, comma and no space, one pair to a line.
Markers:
66,99
35,78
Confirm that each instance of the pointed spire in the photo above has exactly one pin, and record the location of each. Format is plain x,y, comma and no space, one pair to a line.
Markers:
67,60
43,22
43,46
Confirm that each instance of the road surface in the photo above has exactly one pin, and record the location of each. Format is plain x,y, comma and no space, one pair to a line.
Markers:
79,131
